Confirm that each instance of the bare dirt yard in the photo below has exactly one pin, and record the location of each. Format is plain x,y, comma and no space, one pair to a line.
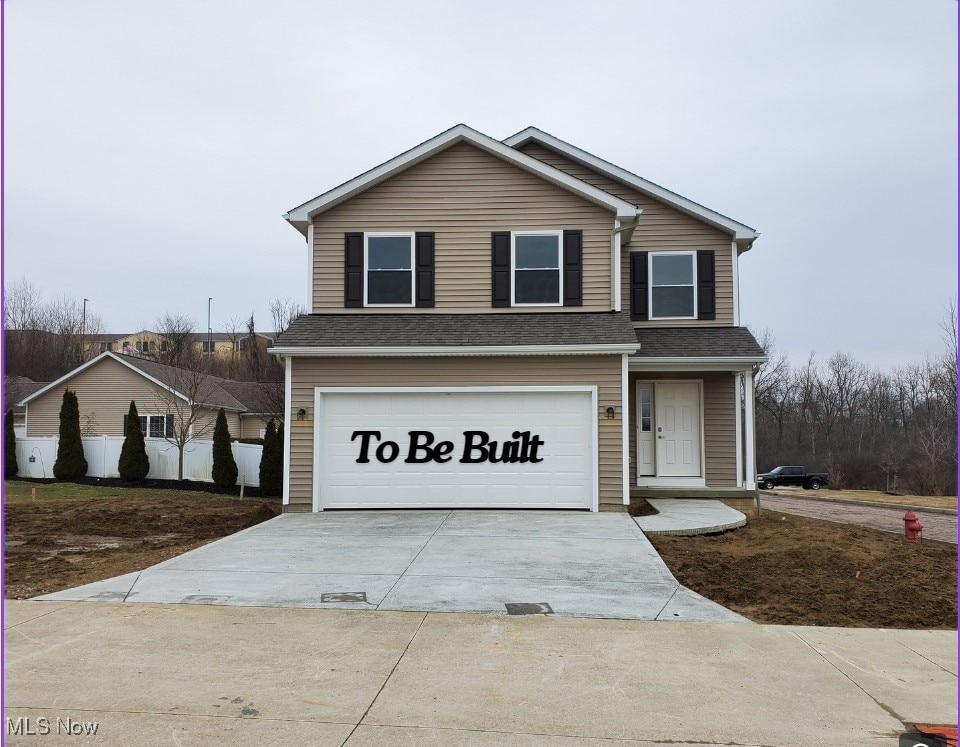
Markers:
75,534
787,569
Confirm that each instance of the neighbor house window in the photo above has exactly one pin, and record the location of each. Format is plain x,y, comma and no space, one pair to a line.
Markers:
157,426
535,259
209,347
388,269
673,285
154,426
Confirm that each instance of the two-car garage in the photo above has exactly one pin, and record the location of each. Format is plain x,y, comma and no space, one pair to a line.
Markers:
456,447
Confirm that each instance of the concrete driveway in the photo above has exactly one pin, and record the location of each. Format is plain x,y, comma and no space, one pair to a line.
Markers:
506,562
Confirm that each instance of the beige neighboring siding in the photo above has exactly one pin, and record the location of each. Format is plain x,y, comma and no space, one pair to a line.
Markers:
207,420
103,393
251,426
462,194
661,228
600,371
719,424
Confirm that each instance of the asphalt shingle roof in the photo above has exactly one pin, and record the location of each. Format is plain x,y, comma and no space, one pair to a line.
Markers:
415,330
697,342
213,391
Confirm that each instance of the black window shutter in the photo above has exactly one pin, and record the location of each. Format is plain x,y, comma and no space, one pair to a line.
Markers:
500,251
126,419
638,286
168,429
423,249
352,270
573,268
706,286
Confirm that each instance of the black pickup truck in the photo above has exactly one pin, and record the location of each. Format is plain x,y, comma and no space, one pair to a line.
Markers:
793,476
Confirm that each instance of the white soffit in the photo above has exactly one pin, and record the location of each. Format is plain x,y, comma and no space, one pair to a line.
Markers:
743,234
301,216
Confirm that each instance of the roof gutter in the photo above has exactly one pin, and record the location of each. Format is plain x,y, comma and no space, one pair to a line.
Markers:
452,350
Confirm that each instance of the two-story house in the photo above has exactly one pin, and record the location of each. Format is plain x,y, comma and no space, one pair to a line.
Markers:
515,324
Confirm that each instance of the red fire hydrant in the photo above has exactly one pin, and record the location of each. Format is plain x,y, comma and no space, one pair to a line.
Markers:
912,528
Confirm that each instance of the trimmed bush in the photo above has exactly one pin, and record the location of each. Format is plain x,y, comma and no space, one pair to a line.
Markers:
70,464
271,462
224,465
9,446
134,463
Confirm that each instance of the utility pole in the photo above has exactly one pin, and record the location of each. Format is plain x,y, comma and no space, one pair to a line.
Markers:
209,329
83,333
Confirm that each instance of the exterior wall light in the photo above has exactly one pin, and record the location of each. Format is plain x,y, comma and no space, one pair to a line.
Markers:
611,412
301,414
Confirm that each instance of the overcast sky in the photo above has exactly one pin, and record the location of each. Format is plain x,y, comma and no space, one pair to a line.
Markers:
152,147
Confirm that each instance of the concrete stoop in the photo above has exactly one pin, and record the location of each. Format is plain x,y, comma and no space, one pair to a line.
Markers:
690,516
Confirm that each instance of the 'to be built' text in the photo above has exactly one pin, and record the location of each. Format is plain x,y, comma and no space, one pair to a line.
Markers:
477,448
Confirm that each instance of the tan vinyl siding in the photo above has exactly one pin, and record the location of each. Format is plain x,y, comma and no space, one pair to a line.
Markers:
207,420
661,228
462,194
251,425
103,393
719,424
600,371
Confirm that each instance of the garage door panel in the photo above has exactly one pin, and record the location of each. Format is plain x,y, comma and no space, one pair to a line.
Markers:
563,421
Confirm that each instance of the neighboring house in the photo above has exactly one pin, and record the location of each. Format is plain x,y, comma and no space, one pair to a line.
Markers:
15,388
106,384
153,345
515,324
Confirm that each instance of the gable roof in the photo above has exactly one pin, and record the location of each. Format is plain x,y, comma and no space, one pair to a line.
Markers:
301,216
214,392
743,234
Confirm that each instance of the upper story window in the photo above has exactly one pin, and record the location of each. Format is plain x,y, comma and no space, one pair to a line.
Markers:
536,268
673,285
388,269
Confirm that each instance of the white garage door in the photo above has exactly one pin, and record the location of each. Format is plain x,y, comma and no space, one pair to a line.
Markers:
496,448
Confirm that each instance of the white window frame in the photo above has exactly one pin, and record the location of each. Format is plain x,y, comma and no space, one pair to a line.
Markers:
513,265
693,266
366,269
146,432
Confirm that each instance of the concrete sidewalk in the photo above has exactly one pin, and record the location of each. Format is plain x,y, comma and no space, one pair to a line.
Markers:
153,674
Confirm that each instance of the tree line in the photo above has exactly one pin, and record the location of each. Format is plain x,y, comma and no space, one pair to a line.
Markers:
881,430
47,338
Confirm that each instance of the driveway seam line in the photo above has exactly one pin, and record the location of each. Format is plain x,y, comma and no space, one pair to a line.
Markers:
938,666
887,709
130,590
657,616
66,603
404,571
395,665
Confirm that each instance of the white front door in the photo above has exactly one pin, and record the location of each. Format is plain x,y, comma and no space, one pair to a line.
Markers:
678,429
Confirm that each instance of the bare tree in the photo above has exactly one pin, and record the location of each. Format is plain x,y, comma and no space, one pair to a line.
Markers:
184,398
45,339
283,311
177,337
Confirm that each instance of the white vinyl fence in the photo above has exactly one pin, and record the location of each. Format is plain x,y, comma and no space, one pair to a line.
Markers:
36,455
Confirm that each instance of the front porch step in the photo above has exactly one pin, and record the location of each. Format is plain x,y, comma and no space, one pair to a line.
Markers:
689,517
719,493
